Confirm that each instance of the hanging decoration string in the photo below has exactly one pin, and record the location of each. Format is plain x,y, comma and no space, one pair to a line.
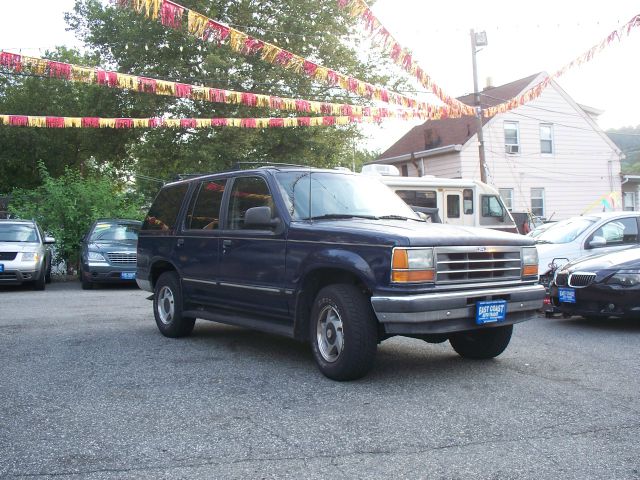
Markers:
400,55
172,15
75,73
185,123
535,91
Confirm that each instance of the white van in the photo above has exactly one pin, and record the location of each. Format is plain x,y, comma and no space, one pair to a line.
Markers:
459,201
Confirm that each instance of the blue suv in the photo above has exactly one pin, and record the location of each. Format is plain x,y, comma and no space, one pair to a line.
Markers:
333,258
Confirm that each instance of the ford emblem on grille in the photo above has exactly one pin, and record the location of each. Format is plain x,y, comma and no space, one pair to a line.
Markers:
482,249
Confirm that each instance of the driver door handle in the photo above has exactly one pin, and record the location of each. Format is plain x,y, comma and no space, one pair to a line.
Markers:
180,242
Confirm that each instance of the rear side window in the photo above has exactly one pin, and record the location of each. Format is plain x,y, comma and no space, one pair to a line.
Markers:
205,213
623,231
164,211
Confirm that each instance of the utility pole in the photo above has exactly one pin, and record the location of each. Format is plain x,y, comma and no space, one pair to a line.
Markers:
478,40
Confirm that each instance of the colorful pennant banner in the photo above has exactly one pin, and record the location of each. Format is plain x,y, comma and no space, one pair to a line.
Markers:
173,15
188,123
75,73
400,55
535,91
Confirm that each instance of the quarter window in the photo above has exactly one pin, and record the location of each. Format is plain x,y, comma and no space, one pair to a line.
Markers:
164,211
247,192
205,213
537,202
546,138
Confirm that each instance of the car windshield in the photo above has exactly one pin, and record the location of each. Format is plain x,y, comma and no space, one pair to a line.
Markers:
327,195
106,232
565,231
16,232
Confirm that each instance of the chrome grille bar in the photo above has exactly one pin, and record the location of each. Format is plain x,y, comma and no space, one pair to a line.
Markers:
477,264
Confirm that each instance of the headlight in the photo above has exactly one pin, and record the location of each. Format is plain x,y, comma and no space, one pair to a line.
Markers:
625,278
529,261
412,265
96,257
30,256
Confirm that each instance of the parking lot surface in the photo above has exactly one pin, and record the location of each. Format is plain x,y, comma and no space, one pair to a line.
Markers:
90,389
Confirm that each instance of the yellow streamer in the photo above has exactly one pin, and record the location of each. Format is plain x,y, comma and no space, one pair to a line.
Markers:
40,122
140,122
262,122
234,122
72,122
83,74
342,121
197,24
36,65
269,53
316,121
237,40
172,122
165,88
4,119
107,123
200,93
291,122
127,81
203,122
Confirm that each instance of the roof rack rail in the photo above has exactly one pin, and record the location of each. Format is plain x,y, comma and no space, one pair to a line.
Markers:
239,165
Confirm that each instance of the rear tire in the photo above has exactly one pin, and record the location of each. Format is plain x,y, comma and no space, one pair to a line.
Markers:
167,307
482,344
343,332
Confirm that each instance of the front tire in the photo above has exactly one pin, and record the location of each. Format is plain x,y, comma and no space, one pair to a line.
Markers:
482,344
167,307
343,332
39,284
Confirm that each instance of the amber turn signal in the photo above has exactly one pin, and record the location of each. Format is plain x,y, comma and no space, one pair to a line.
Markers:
412,276
529,270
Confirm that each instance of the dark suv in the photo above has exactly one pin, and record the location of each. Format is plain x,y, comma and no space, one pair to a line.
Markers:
333,258
108,252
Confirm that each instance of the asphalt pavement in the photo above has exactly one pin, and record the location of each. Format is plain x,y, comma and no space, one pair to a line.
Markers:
90,389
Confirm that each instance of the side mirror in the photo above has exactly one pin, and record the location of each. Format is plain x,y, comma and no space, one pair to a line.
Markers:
597,242
260,218
49,240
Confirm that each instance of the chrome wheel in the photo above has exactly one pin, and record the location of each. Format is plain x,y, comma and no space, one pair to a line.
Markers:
166,305
329,334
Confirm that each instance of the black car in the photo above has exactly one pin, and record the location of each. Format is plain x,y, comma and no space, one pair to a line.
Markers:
108,252
600,286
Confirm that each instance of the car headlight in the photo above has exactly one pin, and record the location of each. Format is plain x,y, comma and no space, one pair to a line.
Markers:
412,265
30,256
529,261
625,278
96,257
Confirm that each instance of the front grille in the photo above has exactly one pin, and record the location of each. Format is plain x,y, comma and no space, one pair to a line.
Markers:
477,264
122,258
11,277
581,279
8,255
562,279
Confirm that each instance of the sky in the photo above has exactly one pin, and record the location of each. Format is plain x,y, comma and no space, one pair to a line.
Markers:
524,38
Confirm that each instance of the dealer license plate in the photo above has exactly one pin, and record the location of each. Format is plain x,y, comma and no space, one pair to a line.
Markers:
567,295
491,311
1,268
128,275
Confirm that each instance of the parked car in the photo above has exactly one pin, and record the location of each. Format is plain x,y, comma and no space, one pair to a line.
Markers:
108,252
24,254
600,286
586,235
333,258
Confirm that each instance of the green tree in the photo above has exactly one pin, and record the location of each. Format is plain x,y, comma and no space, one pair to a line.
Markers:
66,206
628,140
316,30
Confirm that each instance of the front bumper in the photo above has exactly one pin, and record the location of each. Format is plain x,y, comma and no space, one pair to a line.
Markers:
599,300
108,273
453,311
16,272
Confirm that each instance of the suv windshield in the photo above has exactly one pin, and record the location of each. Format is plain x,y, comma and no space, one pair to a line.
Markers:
18,232
108,232
565,231
317,195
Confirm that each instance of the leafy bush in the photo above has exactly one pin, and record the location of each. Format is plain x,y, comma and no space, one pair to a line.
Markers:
66,206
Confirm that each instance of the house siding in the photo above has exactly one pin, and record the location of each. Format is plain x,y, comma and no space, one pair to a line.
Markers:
582,170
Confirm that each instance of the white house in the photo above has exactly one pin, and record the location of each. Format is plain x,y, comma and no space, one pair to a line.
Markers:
547,157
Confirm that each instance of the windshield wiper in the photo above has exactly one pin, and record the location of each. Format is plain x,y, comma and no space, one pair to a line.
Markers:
399,217
333,216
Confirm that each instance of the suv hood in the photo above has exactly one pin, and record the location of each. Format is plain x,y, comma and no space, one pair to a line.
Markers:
407,233
19,246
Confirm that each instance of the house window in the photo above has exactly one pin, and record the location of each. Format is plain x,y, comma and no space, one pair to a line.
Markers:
537,202
511,137
629,201
507,197
546,138
405,170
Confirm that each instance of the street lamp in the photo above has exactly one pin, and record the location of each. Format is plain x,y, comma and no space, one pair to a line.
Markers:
478,39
